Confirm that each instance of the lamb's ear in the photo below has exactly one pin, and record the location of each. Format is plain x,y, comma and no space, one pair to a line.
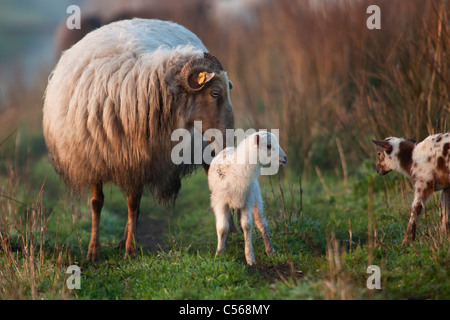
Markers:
382,143
257,139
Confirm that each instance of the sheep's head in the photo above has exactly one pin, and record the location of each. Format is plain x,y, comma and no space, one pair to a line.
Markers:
208,90
269,150
394,154
385,163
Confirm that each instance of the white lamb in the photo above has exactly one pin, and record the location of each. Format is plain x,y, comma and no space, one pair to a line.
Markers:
233,181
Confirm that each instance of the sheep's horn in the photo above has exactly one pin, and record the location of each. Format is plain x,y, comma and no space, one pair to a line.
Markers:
192,68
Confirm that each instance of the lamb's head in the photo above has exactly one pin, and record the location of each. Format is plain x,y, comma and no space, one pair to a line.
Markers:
269,150
208,95
394,154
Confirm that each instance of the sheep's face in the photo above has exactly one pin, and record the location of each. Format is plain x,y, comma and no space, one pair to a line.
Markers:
269,149
385,163
212,105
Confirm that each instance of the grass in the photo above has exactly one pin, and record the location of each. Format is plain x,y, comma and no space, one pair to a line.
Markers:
324,242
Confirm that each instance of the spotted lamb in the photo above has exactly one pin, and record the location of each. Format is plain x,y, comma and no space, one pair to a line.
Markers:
427,164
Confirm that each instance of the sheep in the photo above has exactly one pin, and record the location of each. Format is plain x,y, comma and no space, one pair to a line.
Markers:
112,103
233,182
427,164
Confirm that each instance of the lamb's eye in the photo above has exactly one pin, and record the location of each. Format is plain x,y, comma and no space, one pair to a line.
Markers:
269,146
215,94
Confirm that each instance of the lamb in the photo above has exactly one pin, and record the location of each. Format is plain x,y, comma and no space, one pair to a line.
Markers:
233,182
427,164
112,103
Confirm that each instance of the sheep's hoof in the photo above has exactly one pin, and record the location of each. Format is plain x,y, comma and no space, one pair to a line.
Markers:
221,251
93,251
407,240
130,250
251,262
270,251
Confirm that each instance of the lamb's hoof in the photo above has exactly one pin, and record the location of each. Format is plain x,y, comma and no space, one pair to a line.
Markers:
270,251
250,259
251,262
407,240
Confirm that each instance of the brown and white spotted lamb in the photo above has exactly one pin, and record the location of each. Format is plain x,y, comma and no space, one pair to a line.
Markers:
427,164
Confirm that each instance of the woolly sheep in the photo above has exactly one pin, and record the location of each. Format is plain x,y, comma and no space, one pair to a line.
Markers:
427,164
233,181
112,103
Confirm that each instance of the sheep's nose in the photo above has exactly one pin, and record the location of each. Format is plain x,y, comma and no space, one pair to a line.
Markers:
284,160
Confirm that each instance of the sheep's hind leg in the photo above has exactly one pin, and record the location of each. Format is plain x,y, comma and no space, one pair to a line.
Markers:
97,199
223,215
445,208
133,203
261,224
246,224
420,197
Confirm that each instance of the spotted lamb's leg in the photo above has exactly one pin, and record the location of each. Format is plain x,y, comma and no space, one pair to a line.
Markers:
247,224
445,208
133,203
96,205
421,194
222,213
261,222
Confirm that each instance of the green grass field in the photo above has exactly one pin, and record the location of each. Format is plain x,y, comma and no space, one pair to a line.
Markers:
326,233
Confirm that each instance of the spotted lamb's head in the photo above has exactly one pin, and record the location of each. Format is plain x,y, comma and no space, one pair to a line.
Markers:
394,154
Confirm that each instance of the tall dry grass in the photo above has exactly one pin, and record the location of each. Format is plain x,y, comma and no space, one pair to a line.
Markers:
314,70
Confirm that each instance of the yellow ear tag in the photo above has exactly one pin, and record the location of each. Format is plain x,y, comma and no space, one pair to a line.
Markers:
204,77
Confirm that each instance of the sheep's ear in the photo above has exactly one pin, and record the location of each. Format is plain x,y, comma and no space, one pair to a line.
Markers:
413,140
383,144
257,139
204,77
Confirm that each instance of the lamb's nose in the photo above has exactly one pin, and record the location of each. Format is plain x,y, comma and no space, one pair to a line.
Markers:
285,160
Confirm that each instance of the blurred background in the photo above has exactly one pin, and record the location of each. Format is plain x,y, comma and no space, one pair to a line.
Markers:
310,68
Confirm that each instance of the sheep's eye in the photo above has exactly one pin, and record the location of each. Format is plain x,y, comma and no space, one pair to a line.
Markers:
215,94
379,153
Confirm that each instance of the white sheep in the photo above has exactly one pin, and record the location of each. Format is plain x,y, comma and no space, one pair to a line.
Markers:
233,181
112,103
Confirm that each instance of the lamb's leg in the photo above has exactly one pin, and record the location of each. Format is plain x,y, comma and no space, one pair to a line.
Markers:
261,224
222,213
421,194
445,208
97,198
231,222
246,224
133,202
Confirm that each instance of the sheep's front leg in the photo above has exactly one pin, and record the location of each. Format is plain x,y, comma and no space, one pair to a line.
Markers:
247,224
445,208
261,223
133,203
96,205
222,214
421,194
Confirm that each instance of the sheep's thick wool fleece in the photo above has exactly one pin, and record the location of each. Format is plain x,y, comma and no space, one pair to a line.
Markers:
109,108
